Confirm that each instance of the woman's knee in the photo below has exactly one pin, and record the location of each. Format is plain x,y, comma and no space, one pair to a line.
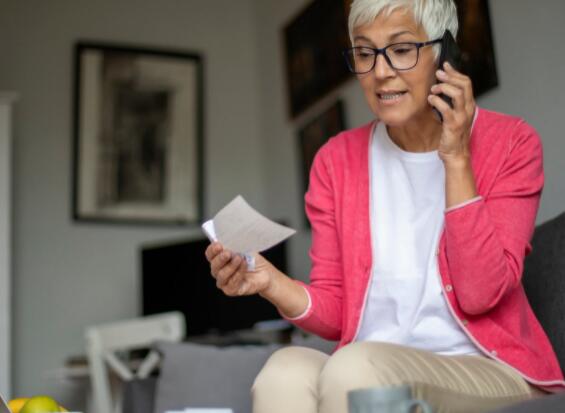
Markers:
290,366
364,364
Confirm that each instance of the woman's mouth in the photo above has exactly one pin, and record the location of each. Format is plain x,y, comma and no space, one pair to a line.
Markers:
390,96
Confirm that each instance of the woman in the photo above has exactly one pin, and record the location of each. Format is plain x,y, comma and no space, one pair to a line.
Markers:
419,232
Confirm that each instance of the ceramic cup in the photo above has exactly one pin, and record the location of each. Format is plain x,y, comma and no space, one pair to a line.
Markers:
384,400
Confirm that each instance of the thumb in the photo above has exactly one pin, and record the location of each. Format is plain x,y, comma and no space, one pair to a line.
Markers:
243,287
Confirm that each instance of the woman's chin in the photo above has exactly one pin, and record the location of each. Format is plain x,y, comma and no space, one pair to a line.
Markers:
392,118
399,117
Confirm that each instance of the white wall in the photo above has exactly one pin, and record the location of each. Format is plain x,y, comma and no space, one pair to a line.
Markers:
69,275
6,109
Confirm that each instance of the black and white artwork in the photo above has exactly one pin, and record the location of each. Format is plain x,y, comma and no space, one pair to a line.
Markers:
138,135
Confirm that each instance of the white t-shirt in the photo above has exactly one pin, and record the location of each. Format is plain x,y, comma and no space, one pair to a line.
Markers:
404,301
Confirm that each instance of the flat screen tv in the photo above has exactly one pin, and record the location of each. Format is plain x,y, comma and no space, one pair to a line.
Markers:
176,277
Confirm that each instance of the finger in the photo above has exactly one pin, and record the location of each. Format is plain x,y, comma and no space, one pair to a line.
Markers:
455,93
450,75
446,111
213,249
451,71
464,84
228,271
244,288
219,262
234,284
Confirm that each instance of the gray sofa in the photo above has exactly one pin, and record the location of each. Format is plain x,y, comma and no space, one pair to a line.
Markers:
196,375
205,376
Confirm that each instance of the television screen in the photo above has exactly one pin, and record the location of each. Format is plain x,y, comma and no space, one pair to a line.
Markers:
176,277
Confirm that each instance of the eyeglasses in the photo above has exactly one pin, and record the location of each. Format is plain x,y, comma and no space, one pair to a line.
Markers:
399,56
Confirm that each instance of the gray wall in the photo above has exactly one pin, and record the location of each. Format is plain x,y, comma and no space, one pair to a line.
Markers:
69,275
530,52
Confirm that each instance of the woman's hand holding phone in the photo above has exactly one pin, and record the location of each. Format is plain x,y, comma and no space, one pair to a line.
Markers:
457,119
452,99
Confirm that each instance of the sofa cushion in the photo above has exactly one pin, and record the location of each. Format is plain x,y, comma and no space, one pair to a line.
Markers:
194,375
139,395
544,281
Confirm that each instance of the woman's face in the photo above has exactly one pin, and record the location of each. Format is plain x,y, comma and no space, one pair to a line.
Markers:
406,91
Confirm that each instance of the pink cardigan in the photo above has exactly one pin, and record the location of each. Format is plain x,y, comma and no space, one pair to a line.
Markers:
481,250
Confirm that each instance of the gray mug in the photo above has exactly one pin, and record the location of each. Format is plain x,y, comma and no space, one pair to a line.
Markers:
384,400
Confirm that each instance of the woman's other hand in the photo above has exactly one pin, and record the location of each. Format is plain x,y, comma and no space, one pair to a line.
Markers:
232,275
457,121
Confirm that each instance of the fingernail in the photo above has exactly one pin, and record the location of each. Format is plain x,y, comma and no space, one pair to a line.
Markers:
447,65
441,73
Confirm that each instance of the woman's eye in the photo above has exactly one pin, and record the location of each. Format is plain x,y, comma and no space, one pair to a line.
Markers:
364,54
402,50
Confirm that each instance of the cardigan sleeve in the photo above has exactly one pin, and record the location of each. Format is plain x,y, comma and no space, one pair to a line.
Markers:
487,240
324,315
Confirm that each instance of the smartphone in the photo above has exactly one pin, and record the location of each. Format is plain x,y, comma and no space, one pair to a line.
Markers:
449,53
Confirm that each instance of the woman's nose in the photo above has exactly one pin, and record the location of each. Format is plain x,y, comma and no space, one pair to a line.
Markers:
382,68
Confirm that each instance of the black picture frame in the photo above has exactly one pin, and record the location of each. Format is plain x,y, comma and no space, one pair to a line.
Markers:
138,126
314,134
313,42
477,45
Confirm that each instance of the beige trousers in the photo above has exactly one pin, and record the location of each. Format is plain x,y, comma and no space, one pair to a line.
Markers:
303,380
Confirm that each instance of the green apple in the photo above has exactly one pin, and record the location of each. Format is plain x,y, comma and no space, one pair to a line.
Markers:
40,404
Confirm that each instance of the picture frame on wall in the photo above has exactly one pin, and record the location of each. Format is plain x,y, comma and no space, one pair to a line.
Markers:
477,45
138,135
313,43
314,134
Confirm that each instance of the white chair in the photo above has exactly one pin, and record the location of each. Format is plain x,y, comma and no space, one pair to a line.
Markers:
104,342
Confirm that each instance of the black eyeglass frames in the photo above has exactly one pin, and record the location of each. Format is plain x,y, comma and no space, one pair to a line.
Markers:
399,56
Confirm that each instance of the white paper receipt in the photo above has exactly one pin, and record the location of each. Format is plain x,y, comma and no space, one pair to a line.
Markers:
243,230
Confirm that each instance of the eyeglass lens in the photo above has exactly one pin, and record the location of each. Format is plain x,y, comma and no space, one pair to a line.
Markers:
402,56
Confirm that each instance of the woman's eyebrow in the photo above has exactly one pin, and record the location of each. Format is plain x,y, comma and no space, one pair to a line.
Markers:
397,34
390,38
362,38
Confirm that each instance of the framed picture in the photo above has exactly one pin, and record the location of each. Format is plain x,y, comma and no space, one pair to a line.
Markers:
138,126
476,44
314,134
313,44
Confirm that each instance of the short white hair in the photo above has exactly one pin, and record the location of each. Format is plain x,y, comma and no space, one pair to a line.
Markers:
435,16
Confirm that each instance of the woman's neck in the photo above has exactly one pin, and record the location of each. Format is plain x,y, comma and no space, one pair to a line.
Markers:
421,134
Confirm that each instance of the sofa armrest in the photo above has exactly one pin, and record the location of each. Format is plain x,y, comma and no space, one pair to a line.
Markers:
554,403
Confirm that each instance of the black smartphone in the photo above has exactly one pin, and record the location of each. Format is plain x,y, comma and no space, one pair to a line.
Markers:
449,53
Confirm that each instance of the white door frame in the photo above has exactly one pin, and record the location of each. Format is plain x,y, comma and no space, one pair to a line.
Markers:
6,103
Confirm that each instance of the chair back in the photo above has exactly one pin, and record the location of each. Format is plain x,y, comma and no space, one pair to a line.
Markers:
104,342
